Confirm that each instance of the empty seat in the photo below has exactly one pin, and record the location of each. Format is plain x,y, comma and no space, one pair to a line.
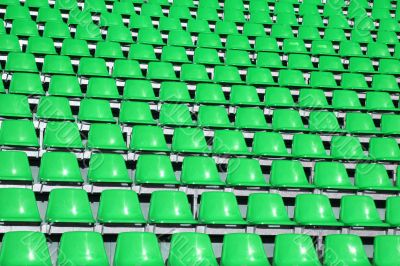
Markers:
26,83
360,123
59,167
102,88
229,142
95,110
18,205
346,99
18,133
199,170
189,140
347,147
244,95
386,250
379,101
154,169
285,173
148,138
331,175
347,249
257,120
106,137
54,108
63,135
175,115
209,93
269,144
245,172
286,119
14,166
385,149
389,124
67,86
107,168
392,216
13,105
213,116
135,113
373,177
308,146
276,96
171,91
92,67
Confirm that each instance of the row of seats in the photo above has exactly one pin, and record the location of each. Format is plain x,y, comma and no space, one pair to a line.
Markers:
152,169
134,248
71,206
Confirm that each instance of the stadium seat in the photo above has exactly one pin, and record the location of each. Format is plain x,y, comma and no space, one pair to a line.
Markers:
59,167
199,170
14,166
347,249
18,133
14,106
154,169
105,137
385,149
386,250
189,140
213,117
373,177
289,174
308,146
95,110
230,142
245,172
331,175
107,168
54,108
18,205
269,144
148,138
64,135
347,147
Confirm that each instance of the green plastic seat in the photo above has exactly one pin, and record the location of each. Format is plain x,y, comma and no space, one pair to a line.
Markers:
209,93
180,38
14,105
319,79
227,74
14,166
322,47
59,167
171,91
290,174
150,36
57,64
269,144
359,211
26,83
140,22
347,147
244,95
209,40
21,62
174,54
88,32
386,250
161,71
152,9
313,98
389,124
296,46
62,135
120,34
206,56
391,215
335,35
314,210
189,140
387,37
126,69
346,99
138,248
106,137
330,63
308,146
207,13
198,26
167,24
259,76
82,248
18,205
54,108
269,60
384,149
237,42
212,202
311,19
373,177
278,96
18,133
350,48
237,58
69,205
16,11
154,169
65,5
354,81
243,249
111,19
286,119
24,28
347,248
267,209
33,250
308,33
199,243
281,31
300,61
198,170
142,52
260,17
118,206
360,123
56,30
245,172
40,45
194,73
148,138
229,142
253,29
9,43
266,44
386,66
213,116
256,121
92,67
323,121
331,175
338,21
136,113
361,65
379,101
108,50
95,110
291,78
378,50
67,86
75,48
294,249
107,168
102,88
170,207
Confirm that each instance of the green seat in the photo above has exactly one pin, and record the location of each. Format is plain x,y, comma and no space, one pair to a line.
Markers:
59,167
18,205
291,78
350,48
281,31
390,124
107,168
347,248
135,113
372,177
359,211
123,8
245,172
269,60
140,22
154,169
152,10
379,101
361,65
308,33
62,135
229,142
256,121
180,38
189,140
227,74
26,83
389,24
331,175
149,36
312,19
120,34
209,93
253,29
198,26
170,207
65,4
308,146
322,47
95,110
167,24
198,170
354,81
194,73
237,58
14,105
213,116
126,69
338,21
378,50
18,133
56,30
334,35
40,45
67,86
95,6
347,147
294,249
237,42
171,91
69,205
267,209
148,138
296,46
314,210
387,37
138,248
206,56
111,19
82,248
174,54
14,166
142,52
330,63
119,206
16,11
386,66
57,64
243,249
199,243
360,123
278,97
346,99
392,215
235,15
108,50
106,137
259,76
92,67
24,28
21,62
33,250
286,119
319,79
75,48
323,121
260,17
212,202
160,71
207,13
244,95
102,88
9,43
289,174
386,250
88,31
313,98
209,40
385,149
266,44
300,61
269,144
